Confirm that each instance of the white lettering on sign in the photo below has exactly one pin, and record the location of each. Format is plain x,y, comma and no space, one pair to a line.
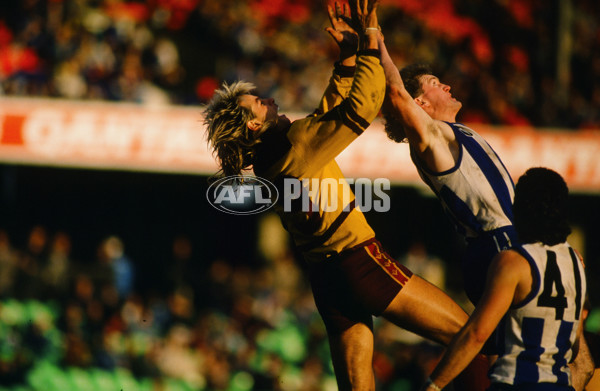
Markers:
92,134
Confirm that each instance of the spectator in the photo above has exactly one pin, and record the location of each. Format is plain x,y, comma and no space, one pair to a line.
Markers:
121,268
56,272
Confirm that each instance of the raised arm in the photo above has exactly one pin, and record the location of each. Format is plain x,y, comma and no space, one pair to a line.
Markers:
320,138
430,138
364,19
350,34
418,125
343,34
343,73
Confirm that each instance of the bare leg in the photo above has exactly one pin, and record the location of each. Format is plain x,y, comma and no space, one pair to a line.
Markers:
352,356
426,310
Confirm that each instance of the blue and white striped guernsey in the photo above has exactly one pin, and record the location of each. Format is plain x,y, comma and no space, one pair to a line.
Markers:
536,336
477,193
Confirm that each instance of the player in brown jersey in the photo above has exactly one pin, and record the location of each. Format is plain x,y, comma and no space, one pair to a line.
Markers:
352,276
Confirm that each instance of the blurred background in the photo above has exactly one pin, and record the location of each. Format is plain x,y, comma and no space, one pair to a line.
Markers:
117,274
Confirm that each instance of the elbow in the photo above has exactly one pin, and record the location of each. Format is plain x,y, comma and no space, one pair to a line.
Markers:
583,360
583,367
479,336
396,93
589,372
393,91
581,374
481,339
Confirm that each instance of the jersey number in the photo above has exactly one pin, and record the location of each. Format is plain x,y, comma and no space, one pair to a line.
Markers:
552,278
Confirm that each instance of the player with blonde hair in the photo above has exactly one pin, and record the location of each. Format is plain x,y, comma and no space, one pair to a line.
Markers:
352,276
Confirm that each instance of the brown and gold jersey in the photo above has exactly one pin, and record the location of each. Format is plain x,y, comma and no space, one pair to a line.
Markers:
316,204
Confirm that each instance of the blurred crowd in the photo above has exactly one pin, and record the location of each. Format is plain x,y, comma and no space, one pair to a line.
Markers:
514,62
209,325
213,324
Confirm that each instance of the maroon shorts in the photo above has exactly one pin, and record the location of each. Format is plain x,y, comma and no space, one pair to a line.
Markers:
355,285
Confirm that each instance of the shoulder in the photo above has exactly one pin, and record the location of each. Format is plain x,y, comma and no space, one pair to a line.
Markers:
513,257
516,268
438,132
446,129
510,262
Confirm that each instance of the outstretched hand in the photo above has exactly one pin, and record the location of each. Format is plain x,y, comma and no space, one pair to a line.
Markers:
364,14
341,31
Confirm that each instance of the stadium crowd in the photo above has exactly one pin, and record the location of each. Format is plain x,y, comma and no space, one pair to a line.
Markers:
514,62
92,323
230,327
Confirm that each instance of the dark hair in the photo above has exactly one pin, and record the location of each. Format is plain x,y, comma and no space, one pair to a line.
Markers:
411,78
394,128
541,207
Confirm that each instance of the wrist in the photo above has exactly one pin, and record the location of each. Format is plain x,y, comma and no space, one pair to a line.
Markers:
430,384
370,41
348,61
343,70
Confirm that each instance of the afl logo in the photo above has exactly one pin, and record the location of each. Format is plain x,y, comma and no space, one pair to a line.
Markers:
242,195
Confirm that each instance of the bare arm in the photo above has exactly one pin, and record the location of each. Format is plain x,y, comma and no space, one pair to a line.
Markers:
417,123
507,271
433,140
582,368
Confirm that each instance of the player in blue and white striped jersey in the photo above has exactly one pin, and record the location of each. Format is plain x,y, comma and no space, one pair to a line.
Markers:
534,294
459,166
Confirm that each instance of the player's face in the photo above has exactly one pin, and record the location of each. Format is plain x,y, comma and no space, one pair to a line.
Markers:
264,110
438,96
